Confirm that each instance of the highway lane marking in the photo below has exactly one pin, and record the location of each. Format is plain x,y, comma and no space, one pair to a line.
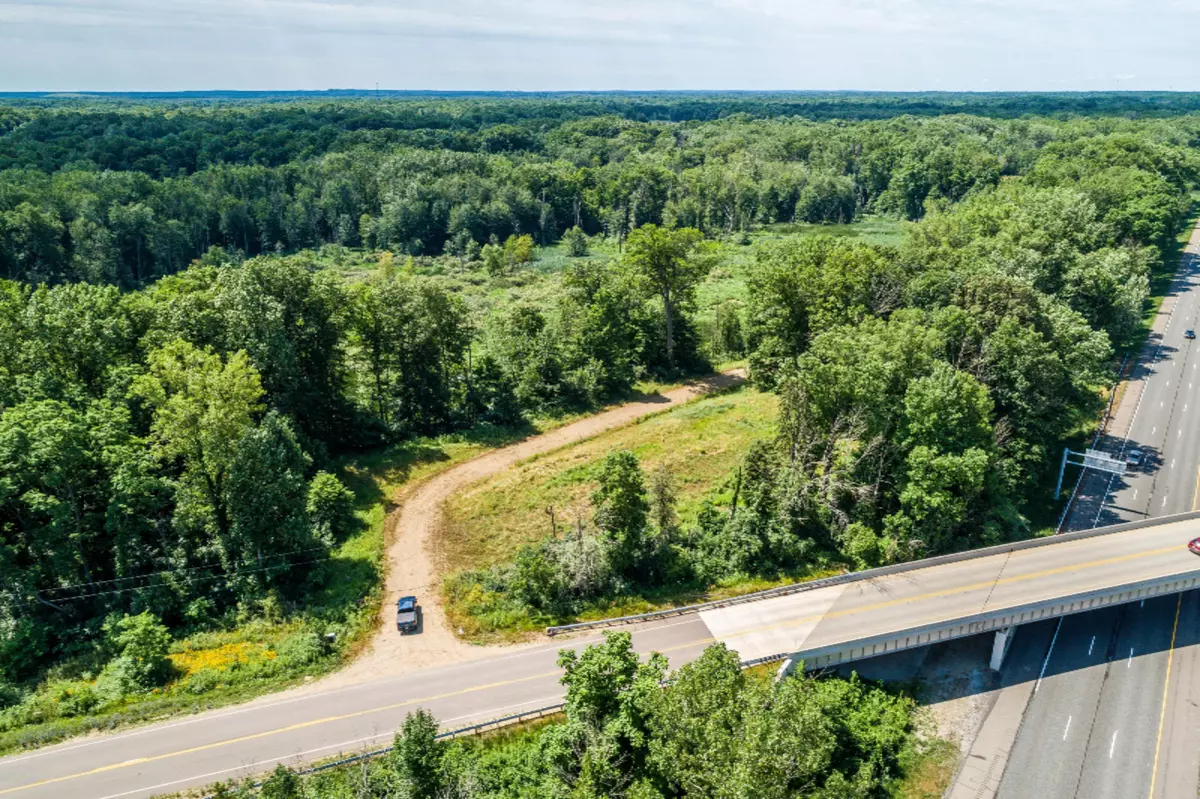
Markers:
1196,490
1112,745
1172,463
944,592
251,708
1067,728
1049,652
267,733
475,689
1129,663
1092,644
298,755
1135,493
1162,716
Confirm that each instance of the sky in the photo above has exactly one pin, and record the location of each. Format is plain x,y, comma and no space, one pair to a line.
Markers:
546,45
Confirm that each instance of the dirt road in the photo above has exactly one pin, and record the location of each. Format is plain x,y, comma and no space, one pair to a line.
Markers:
412,558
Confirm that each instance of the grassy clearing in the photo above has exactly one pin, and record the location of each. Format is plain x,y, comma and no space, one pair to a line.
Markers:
928,765
699,443
868,230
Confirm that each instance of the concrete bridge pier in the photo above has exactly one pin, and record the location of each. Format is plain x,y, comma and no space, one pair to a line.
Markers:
1000,646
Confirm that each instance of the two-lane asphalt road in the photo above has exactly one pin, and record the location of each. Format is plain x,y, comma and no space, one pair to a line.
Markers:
225,744
1115,716
230,743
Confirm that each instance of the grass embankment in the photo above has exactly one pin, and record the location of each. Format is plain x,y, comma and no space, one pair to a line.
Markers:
700,444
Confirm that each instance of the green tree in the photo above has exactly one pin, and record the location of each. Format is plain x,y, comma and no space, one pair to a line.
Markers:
518,250
621,508
417,755
202,407
575,240
673,262
330,507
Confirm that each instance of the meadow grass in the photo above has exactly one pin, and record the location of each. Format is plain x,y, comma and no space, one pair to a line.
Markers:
699,444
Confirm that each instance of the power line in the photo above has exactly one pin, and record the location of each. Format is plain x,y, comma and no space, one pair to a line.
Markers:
114,580
199,580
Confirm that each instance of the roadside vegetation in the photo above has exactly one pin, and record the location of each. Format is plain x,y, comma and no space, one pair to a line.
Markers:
231,333
713,731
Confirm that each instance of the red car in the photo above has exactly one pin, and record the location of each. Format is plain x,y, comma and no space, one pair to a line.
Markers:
1194,545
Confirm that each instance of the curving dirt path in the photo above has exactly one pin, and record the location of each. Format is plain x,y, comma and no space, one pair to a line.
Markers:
412,559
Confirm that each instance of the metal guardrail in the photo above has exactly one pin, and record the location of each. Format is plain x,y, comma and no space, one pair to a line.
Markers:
869,574
483,726
470,729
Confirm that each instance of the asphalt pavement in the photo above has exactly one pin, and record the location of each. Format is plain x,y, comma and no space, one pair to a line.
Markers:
1122,724
1115,716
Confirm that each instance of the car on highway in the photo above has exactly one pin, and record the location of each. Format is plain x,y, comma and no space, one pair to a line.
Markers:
1135,457
1194,545
407,615
1189,333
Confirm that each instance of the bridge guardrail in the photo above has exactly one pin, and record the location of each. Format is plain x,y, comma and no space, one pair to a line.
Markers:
868,574
475,729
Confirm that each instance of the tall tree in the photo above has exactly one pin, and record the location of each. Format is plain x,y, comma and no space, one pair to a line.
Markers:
673,261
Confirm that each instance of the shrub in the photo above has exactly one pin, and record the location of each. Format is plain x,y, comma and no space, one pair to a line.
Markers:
301,649
576,242
142,643
519,249
282,784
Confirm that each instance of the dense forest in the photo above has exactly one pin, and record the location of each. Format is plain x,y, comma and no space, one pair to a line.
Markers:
184,361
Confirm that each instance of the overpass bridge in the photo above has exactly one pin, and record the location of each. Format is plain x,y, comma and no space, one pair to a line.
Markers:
824,623
915,604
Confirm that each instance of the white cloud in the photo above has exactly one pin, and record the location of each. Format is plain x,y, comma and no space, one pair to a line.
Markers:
596,44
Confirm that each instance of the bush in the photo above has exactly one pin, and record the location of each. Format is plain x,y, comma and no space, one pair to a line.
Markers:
576,242
282,784
519,250
142,643
301,649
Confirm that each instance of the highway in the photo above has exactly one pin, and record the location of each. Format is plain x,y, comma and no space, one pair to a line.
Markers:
1106,707
1115,715
223,744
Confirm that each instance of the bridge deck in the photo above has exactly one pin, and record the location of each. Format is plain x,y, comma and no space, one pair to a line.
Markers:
950,592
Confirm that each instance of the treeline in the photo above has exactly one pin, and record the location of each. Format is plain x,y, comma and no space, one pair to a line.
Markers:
100,197
924,391
167,450
713,731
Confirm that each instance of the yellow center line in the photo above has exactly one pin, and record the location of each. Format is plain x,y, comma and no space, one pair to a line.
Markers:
1196,492
950,591
298,726
1162,716
478,688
